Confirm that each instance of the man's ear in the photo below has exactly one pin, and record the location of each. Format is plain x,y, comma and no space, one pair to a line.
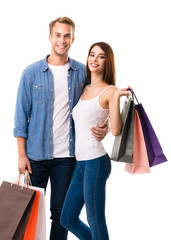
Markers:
50,38
73,39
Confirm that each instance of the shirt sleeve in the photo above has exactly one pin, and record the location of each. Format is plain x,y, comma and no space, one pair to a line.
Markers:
23,106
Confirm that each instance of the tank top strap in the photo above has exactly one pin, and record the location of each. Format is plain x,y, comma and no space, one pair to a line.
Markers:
105,90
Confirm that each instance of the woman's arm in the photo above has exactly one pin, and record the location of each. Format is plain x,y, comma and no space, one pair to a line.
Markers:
114,110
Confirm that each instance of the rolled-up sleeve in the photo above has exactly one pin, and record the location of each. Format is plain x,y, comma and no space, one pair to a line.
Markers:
23,106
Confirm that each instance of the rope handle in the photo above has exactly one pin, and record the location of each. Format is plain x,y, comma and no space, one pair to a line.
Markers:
133,95
26,181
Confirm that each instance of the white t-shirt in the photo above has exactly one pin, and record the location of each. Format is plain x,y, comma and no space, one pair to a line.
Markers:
60,111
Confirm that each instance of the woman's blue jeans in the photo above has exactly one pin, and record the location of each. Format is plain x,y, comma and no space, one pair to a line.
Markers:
88,186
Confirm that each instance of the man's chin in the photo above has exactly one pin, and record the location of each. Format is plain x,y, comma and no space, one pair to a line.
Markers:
61,53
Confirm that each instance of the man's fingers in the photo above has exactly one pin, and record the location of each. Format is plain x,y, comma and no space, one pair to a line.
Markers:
29,167
102,125
97,136
95,130
21,170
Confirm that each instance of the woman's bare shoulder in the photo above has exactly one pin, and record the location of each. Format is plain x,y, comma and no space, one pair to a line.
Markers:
112,90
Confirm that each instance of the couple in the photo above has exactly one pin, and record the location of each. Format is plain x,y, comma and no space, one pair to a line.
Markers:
60,117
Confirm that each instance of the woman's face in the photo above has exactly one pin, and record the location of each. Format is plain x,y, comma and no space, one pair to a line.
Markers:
96,60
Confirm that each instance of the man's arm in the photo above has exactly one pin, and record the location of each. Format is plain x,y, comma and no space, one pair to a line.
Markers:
23,161
100,131
22,113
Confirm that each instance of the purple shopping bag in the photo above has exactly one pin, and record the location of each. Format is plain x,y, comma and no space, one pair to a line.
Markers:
153,147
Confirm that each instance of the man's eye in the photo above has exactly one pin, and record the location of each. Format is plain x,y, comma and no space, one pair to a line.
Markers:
56,35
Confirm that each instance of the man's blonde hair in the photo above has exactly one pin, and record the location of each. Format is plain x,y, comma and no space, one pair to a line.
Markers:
65,20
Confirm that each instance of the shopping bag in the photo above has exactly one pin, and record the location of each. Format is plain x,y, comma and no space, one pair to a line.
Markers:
140,159
16,203
38,223
154,149
41,219
123,144
30,232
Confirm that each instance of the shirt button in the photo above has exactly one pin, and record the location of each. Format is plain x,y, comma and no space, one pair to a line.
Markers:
70,100
68,75
69,88
70,140
71,113
70,126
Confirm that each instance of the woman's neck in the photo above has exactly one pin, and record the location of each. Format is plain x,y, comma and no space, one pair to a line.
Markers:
96,80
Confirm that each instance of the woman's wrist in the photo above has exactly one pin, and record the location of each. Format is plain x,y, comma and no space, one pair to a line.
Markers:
116,96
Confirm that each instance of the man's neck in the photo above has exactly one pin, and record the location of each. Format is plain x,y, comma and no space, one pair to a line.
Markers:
57,60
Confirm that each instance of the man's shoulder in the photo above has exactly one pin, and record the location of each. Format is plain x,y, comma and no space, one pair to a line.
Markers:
38,65
78,65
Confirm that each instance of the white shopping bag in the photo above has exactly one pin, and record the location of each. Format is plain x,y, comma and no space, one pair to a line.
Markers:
41,219
24,180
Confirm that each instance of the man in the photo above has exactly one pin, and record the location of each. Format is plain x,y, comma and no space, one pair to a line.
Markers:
44,129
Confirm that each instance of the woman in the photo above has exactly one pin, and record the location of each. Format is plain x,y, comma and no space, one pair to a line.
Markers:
99,100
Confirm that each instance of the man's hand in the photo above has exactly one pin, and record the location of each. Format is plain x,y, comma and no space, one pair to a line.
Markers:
24,164
23,161
100,131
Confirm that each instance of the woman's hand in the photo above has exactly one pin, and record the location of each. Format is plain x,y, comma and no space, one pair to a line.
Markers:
121,92
114,110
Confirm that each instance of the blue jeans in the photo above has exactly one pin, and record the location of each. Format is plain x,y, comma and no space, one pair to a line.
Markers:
87,187
60,171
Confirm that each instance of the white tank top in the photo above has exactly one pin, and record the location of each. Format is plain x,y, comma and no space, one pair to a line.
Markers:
88,114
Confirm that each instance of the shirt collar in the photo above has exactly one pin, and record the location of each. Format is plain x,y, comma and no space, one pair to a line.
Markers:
45,66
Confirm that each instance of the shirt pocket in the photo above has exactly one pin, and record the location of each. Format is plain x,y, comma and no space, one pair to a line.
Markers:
78,88
38,93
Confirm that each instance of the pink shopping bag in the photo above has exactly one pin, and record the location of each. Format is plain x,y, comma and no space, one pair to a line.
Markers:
140,158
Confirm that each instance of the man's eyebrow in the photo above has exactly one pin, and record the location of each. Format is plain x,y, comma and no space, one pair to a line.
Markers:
66,34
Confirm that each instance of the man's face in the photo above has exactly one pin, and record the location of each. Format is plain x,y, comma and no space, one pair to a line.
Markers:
61,39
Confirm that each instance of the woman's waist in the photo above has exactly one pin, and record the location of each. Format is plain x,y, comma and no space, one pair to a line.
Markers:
89,149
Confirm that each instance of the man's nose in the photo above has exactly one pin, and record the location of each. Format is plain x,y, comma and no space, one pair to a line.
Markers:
62,39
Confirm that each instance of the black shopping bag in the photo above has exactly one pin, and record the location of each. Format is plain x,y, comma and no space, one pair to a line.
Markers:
123,144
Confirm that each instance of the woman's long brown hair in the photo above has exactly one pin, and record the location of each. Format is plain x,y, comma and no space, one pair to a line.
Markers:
109,72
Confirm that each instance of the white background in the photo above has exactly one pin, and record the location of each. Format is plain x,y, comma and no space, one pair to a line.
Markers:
138,207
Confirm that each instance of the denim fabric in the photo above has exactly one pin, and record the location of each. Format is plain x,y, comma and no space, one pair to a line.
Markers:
59,171
34,107
87,187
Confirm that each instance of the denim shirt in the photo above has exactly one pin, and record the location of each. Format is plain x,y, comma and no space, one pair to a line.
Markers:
34,107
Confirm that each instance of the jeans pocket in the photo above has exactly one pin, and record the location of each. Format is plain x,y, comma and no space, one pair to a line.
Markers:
108,164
